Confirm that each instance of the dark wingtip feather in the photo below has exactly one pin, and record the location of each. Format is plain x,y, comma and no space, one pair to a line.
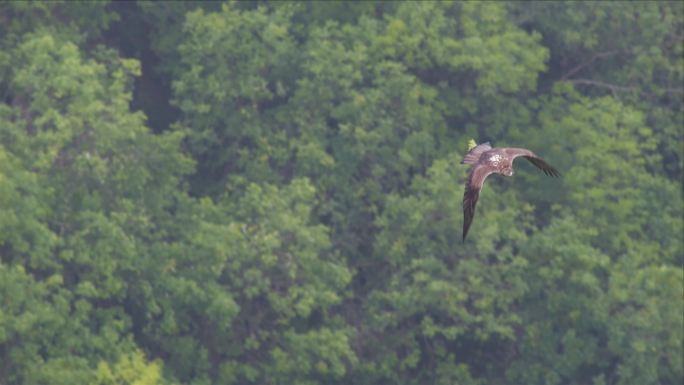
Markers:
546,168
470,198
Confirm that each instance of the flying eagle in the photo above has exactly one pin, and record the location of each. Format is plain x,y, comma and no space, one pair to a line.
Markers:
487,160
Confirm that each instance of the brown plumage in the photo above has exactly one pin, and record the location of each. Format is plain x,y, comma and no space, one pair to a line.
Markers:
487,160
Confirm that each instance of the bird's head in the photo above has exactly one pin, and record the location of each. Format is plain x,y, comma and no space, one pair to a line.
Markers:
508,171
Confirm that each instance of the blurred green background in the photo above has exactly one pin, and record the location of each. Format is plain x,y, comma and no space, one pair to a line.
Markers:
270,193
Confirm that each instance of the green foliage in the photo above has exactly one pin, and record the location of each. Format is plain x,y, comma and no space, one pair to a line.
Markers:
79,25
295,216
437,299
471,144
644,66
608,312
236,73
86,176
129,369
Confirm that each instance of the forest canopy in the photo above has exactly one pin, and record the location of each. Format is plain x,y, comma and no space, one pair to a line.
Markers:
270,193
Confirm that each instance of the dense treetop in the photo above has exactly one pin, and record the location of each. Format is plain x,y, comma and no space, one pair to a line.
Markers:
270,193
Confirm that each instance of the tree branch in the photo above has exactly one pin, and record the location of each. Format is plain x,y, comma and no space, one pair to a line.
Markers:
613,88
588,62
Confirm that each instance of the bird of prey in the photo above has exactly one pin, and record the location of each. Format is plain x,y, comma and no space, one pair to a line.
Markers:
487,160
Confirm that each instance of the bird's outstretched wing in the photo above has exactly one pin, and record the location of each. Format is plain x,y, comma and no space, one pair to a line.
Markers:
473,156
476,179
534,159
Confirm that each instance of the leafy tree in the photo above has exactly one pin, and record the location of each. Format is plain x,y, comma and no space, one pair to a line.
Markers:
619,222
293,215
84,24
441,306
99,175
129,369
590,319
629,51
237,72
